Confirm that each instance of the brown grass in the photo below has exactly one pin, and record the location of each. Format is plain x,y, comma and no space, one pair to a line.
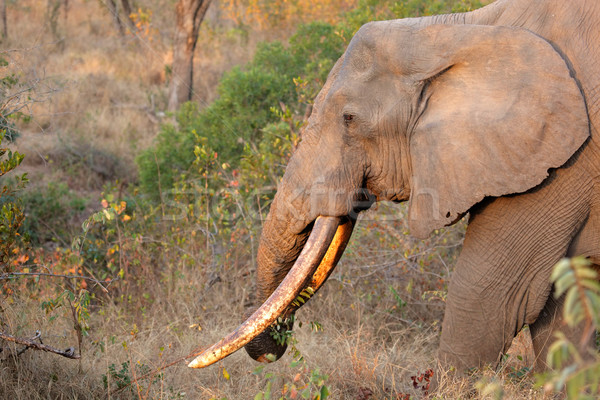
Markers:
109,92
369,348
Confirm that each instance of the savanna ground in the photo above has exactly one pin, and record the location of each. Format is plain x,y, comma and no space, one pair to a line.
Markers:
171,207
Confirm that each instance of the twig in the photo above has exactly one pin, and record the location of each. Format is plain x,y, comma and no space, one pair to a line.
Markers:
38,335
10,275
152,373
68,353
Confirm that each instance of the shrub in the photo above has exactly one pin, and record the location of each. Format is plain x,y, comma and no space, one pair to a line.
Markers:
171,155
572,369
51,212
11,208
247,97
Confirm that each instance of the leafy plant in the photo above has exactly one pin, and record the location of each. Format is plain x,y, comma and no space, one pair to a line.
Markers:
120,377
282,331
574,369
307,383
12,215
51,212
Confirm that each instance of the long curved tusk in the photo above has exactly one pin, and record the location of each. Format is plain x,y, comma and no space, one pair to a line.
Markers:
313,252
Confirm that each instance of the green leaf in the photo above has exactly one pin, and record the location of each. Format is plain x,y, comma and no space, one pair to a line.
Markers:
574,384
258,370
563,283
324,392
570,305
306,393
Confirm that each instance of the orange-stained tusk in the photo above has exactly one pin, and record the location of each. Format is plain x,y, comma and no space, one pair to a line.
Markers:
313,252
334,253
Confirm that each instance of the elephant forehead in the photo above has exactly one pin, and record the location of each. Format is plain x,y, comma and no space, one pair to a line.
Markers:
359,60
388,43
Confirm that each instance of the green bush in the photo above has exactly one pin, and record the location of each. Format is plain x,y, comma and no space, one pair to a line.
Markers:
171,155
235,118
247,97
51,212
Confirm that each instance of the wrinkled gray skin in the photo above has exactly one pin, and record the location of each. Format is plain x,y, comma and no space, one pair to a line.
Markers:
493,112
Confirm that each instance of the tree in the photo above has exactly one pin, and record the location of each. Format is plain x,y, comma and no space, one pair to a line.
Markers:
4,31
189,14
113,8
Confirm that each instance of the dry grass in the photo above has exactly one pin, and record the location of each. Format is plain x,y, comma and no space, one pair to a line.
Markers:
360,354
108,92
370,346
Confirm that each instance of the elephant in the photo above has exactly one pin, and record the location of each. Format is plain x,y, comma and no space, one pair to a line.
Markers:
492,113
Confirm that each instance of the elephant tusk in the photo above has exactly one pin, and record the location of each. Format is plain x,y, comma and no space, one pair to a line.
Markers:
309,260
334,253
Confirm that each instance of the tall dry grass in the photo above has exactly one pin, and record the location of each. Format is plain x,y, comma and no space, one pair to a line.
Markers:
373,339
108,91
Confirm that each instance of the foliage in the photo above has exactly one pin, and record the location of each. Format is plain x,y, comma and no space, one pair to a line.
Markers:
574,367
244,121
51,211
11,209
171,156
120,378
307,383
8,108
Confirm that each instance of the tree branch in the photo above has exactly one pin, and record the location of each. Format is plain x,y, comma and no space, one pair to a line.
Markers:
11,275
30,343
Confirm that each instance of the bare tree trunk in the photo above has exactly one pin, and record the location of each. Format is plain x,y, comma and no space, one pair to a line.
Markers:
190,14
114,12
128,11
121,19
52,16
3,18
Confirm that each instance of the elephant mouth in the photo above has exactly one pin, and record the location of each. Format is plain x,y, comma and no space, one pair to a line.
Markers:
322,251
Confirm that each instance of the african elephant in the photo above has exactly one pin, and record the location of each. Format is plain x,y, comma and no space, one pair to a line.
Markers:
494,113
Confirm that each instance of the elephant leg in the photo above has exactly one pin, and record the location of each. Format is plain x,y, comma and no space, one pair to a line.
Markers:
550,319
501,280
547,324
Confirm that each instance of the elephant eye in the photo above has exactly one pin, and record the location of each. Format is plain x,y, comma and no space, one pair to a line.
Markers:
348,118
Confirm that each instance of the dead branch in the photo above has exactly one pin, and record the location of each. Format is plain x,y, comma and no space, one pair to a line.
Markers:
11,275
31,344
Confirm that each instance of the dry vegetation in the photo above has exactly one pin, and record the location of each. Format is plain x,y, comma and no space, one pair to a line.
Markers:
101,101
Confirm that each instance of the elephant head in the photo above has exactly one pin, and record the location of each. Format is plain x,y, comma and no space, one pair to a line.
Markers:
440,116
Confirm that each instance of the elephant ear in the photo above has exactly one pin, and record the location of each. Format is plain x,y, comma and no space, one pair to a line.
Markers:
497,108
